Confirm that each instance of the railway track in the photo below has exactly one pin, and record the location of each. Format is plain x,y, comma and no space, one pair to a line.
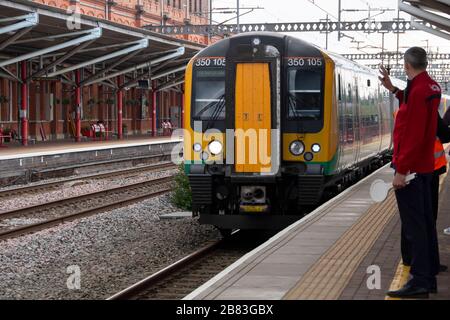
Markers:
49,214
49,186
184,276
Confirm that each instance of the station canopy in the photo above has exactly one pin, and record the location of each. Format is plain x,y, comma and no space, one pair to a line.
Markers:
432,16
58,42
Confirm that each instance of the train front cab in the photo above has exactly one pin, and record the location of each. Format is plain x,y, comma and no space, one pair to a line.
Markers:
259,92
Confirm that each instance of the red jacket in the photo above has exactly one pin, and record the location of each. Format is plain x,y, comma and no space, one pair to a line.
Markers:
416,125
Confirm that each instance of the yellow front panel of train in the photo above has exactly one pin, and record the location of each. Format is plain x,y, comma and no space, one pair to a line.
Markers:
253,118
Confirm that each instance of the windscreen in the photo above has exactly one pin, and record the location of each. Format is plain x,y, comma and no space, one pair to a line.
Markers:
305,93
209,94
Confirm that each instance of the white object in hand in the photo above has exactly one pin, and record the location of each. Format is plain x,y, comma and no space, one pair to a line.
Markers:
380,189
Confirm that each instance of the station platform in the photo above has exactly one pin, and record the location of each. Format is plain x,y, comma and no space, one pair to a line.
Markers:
333,253
20,163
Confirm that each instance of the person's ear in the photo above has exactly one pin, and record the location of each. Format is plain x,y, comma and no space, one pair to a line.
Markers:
407,66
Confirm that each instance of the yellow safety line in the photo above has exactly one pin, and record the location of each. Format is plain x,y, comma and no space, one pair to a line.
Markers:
402,273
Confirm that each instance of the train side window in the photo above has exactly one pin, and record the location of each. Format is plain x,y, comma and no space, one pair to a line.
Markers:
339,87
368,82
305,94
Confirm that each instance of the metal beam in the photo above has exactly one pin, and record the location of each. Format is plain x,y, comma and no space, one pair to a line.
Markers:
168,72
51,38
148,75
60,60
435,32
447,2
437,20
29,20
400,66
159,75
12,75
140,44
93,34
170,85
432,4
392,55
162,86
110,67
396,26
6,76
179,52
14,37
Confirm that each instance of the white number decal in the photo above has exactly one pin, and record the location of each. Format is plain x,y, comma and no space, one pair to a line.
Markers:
315,62
296,62
210,62
203,62
301,62
219,62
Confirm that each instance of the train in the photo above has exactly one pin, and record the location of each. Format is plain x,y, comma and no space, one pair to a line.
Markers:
273,124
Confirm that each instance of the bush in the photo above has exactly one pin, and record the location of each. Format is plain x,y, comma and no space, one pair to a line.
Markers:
182,196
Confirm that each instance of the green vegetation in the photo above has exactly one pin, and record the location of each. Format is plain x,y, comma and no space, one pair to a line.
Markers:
182,196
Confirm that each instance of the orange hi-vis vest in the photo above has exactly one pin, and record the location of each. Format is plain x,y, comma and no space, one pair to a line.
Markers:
439,155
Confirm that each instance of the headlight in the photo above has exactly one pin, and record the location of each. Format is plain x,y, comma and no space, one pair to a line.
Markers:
215,147
256,41
204,156
197,147
315,148
308,156
297,148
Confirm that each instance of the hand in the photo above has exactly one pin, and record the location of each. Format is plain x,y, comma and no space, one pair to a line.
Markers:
385,79
399,181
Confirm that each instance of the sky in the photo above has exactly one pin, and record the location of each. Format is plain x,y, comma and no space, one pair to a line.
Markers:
306,11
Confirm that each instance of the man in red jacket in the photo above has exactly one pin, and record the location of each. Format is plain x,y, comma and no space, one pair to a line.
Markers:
414,138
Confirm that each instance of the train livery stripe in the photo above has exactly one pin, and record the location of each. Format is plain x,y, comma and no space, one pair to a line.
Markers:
253,117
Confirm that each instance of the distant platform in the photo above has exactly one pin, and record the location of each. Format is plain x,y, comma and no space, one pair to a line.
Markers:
19,164
61,147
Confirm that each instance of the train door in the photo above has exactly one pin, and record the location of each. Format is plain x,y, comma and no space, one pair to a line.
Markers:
350,125
347,108
356,120
253,118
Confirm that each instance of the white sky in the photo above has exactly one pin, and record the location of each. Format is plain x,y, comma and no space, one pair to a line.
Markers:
305,11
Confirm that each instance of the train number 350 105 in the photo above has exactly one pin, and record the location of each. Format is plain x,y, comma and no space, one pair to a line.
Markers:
304,62
210,62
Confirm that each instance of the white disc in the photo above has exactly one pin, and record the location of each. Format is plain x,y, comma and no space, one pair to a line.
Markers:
379,190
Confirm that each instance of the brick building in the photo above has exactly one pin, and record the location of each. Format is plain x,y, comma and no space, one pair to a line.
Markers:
51,102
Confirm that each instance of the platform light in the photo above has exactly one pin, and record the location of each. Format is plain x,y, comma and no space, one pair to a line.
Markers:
297,148
316,148
215,147
197,147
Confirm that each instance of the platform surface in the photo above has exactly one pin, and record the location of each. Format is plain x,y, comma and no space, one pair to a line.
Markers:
62,147
333,253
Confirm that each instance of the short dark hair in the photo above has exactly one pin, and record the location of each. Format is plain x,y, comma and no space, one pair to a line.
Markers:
417,58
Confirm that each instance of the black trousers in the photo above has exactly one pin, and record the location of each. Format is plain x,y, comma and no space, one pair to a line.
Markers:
419,236
406,247
435,194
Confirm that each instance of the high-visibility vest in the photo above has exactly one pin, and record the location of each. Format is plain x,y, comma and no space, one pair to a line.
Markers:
439,155
395,114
